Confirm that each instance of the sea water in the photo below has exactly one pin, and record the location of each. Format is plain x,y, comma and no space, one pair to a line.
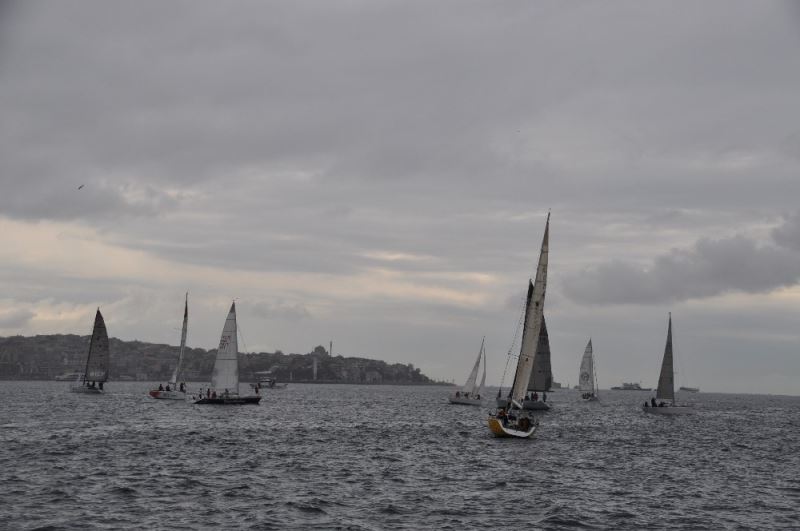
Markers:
384,457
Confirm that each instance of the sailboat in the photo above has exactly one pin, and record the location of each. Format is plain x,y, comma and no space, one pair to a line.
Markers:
542,374
666,385
470,395
96,371
587,377
175,391
516,421
224,388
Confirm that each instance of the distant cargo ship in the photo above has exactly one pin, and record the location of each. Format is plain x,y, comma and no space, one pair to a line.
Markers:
690,389
627,386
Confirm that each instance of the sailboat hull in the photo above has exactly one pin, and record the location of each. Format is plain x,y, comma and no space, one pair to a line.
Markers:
590,399
669,410
530,405
465,401
167,395
230,401
497,428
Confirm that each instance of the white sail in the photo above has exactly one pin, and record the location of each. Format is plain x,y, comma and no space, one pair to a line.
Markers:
469,386
174,379
226,366
534,307
98,359
586,377
483,378
666,380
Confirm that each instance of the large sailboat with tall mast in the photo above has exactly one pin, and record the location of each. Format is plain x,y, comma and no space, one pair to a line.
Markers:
666,385
587,376
95,373
513,420
224,388
175,390
469,394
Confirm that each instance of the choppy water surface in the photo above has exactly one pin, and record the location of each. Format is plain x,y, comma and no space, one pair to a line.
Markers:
380,457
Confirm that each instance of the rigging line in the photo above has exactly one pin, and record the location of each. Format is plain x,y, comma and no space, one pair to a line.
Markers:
514,341
241,336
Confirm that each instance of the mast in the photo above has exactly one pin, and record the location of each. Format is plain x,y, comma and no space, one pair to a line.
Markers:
533,321
174,379
666,383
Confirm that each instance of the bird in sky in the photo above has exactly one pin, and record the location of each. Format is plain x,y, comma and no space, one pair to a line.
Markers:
81,186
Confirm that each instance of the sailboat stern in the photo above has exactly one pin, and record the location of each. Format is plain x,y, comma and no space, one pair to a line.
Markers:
499,430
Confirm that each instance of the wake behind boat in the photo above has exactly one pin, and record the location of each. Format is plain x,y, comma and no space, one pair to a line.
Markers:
666,385
469,395
96,371
224,388
514,421
173,390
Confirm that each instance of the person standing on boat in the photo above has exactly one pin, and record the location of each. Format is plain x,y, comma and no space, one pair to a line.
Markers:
653,401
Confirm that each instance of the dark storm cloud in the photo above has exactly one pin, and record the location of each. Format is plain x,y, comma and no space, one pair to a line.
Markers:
709,268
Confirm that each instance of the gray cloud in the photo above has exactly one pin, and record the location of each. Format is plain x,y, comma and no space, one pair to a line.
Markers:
280,310
709,268
15,319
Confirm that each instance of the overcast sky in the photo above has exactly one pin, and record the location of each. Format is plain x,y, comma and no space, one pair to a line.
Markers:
378,174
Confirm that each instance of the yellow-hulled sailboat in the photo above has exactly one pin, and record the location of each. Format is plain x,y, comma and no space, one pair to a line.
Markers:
515,421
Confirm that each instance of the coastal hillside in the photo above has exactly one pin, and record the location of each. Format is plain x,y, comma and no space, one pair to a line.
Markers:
44,357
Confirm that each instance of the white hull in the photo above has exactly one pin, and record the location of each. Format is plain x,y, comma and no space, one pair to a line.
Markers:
669,410
465,401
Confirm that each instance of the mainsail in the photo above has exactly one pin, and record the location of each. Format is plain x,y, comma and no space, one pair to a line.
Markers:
174,379
666,380
587,370
483,378
226,366
542,373
469,386
97,361
534,306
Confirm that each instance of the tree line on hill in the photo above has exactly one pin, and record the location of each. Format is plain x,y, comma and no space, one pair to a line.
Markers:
44,357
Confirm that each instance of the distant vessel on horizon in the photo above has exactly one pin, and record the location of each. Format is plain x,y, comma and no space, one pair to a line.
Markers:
97,360
666,385
631,386
468,395
689,389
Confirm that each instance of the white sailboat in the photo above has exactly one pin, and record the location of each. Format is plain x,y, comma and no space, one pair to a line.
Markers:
514,421
174,390
96,371
224,388
469,394
666,385
587,377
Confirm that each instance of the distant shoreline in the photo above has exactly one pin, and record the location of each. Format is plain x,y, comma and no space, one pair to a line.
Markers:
331,382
